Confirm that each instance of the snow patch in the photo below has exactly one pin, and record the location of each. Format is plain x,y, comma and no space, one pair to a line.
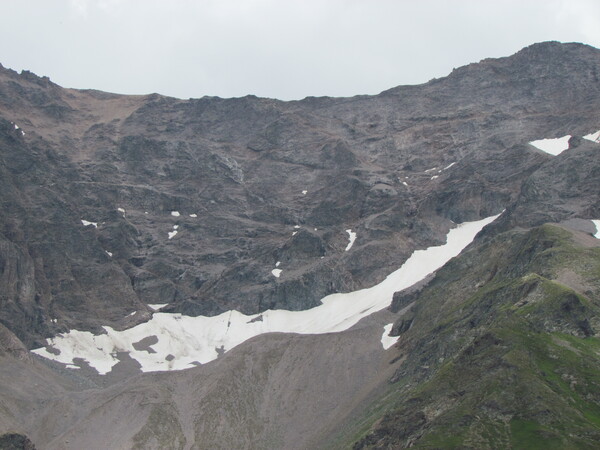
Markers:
194,215
351,239
157,306
131,314
175,227
553,146
296,226
386,340
430,170
276,272
304,192
172,234
196,339
175,213
597,223
594,137
294,233
448,166
87,223
121,210
434,177
108,253
405,183
277,263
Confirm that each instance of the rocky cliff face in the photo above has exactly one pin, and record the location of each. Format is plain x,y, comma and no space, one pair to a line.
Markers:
192,203
113,203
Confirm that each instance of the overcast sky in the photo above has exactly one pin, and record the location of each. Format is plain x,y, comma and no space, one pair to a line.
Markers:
286,49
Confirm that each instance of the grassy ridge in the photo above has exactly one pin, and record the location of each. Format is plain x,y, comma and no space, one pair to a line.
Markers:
502,352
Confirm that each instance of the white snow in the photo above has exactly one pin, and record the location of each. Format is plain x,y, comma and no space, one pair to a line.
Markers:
131,314
595,137
145,212
108,253
597,223
157,306
121,210
172,234
194,215
276,272
294,233
448,166
434,177
553,146
86,223
175,227
196,339
430,170
388,341
277,263
16,126
175,213
72,366
405,183
351,239
304,192
296,226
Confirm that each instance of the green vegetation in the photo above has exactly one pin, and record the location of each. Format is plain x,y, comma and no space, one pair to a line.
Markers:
502,352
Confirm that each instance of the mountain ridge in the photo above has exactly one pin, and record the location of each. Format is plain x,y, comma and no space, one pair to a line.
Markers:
114,204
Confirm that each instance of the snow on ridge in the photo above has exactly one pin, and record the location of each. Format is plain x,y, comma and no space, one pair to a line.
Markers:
552,146
157,306
594,137
448,166
196,339
351,239
597,223
386,340
87,223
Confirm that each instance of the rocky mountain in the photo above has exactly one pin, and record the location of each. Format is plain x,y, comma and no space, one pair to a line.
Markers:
116,206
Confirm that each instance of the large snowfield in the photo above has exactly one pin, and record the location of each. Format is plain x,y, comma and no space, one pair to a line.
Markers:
182,342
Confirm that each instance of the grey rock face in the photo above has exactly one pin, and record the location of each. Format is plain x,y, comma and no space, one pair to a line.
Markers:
196,201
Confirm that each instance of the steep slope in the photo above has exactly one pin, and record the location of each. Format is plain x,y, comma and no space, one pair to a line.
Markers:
273,391
395,168
500,349
116,206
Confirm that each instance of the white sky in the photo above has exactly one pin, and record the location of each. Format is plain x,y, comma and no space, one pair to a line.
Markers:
285,49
